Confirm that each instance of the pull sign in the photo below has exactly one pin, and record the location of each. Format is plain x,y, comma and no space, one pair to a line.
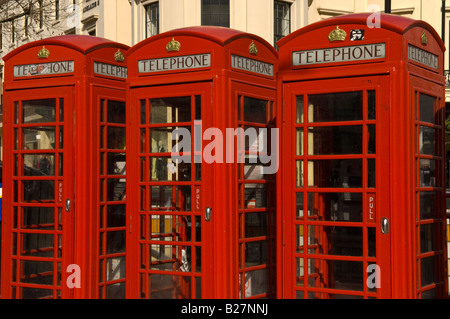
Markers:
371,208
197,198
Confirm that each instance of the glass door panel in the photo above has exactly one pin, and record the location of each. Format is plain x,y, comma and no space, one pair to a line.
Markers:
170,241
41,186
337,152
430,187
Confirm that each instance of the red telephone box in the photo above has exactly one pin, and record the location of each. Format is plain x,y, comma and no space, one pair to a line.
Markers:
201,224
361,196
64,169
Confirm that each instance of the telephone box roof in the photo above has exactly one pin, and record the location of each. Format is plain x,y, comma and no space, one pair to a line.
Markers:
390,22
81,43
219,35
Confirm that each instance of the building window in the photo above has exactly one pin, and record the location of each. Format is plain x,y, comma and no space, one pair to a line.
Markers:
216,12
282,20
152,19
56,9
41,15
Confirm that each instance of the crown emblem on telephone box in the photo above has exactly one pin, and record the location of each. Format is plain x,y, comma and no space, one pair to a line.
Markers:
173,45
337,35
43,53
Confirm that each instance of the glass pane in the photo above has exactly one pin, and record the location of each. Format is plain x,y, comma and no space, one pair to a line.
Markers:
428,235
37,245
299,236
299,109
36,272
427,173
372,243
38,190
115,268
170,227
330,107
255,224
299,205
255,110
335,173
116,164
115,242
299,173
428,202
427,140
115,216
163,140
371,105
165,169
170,110
38,218
116,137
116,112
255,196
143,112
371,174
170,197
169,287
335,207
39,111
256,282
335,140
38,138
371,143
342,274
39,164
115,291
115,189
35,293
428,270
426,108
299,142
342,241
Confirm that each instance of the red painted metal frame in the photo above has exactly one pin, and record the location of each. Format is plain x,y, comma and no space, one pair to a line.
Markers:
398,141
219,180
80,232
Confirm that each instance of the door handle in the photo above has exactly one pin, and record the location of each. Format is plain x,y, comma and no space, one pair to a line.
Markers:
208,211
68,204
384,226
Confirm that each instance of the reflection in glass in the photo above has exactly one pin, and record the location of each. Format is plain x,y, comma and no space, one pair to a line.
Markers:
115,242
163,141
428,270
165,169
39,111
428,202
259,282
170,198
38,190
255,110
343,274
170,110
427,140
426,108
116,164
427,173
116,112
335,140
37,245
428,233
330,107
335,173
39,164
115,189
38,138
299,100
36,272
116,137
371,105
335,206
255,196
255,224
38,218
